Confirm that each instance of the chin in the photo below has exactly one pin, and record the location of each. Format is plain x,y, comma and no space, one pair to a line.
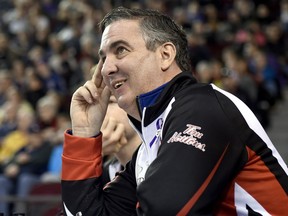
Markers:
122,103
127,105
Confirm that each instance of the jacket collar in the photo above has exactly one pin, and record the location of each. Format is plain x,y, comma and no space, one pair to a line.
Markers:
156,100
148,99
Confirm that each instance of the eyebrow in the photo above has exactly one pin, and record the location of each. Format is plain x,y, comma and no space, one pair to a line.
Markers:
112,46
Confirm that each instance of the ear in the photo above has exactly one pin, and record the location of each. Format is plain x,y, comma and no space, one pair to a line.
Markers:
168,54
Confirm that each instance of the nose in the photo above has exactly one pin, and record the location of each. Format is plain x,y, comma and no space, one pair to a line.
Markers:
109,66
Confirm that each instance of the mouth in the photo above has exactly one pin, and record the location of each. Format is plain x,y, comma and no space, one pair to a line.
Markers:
118,84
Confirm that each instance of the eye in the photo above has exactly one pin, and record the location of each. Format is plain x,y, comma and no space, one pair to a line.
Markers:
121,50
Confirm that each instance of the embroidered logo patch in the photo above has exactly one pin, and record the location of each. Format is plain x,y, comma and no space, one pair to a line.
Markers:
190,136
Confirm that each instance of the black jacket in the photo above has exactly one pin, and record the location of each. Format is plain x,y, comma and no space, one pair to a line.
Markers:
203,153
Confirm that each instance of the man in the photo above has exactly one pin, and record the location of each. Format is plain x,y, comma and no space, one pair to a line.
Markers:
203,151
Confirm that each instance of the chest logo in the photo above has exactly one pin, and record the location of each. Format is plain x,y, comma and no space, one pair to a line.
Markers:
157,137
190,136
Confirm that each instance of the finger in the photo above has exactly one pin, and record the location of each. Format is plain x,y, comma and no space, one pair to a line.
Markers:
111,125
106,93
104,124
108,132
91,87
97,76
123,140
109,150
92,70
83,94
118,147
119,132
112,133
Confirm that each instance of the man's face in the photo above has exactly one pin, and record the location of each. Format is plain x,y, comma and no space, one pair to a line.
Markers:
129,69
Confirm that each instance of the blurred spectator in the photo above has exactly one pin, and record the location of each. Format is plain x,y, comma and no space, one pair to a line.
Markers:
21,45
17,138
229,57
89,48
85,66
275,40
15,96
266,80
263,14
37,19
10,112
246,82
204,73
212,24
245,9
6,82
50,8
26,181
18,73
197,48
8,120
64,63
256,34
16,18
265,76
284,15
194,11
32,158
6,54
34,87
55,163
241,79
217,72
52,80
47,109
180,16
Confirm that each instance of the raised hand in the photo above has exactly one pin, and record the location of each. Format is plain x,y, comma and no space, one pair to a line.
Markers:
89,105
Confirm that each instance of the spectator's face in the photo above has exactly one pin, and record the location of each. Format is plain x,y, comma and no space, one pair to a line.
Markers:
35,140
24,120
5,83
47,113
129,69
3,41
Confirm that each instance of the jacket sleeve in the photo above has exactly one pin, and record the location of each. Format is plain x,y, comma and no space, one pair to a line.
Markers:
82,188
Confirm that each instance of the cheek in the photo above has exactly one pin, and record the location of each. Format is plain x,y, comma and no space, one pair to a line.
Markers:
147,78
146,66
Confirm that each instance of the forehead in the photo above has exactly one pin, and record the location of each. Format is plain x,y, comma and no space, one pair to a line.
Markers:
122,30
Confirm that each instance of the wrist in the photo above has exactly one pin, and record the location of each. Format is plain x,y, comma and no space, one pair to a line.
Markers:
84,133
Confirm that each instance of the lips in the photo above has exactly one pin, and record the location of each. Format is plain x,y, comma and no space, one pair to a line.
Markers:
118,84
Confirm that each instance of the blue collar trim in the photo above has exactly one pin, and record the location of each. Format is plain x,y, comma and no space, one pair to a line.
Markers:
149,98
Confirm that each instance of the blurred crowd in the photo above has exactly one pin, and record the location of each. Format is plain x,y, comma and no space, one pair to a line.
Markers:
47,48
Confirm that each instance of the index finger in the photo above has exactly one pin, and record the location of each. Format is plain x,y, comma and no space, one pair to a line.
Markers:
97,76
